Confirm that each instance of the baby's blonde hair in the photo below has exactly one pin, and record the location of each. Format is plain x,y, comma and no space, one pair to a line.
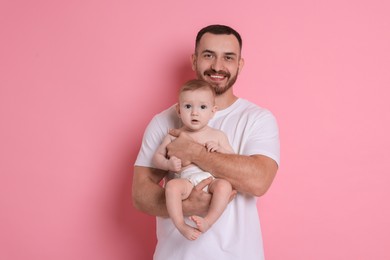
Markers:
195,84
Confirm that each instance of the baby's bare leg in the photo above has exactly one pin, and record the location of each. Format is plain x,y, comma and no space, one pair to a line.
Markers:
176,191
221,190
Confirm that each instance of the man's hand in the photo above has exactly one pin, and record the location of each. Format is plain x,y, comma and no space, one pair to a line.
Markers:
183,147
174,164
198,202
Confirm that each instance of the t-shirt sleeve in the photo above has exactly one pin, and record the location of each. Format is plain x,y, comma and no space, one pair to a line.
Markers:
264,137
153,136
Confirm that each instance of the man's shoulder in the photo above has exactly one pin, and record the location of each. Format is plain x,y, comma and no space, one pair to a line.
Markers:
167,116
248,107
168,112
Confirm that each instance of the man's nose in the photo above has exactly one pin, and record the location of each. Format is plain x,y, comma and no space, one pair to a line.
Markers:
217,65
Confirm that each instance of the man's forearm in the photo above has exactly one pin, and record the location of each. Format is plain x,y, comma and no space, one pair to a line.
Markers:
248,174
148,196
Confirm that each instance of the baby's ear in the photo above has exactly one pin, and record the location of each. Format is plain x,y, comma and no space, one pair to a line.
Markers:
215,109
178,110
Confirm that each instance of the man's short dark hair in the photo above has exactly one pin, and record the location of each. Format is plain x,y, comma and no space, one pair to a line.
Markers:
217,29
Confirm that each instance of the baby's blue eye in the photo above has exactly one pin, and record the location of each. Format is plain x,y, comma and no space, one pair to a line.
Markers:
187,106
203,106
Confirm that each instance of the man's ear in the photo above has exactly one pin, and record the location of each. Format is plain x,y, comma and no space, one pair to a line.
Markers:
240,64
193,61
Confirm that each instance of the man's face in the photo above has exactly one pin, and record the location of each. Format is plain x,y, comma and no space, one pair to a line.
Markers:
218,61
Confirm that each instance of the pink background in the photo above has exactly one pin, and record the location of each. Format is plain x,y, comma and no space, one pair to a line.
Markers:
80,80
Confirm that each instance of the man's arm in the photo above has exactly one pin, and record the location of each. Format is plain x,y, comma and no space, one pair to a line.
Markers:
248,174
149,197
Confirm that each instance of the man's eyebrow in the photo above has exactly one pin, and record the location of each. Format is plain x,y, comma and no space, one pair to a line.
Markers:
208,51
231,53
226,53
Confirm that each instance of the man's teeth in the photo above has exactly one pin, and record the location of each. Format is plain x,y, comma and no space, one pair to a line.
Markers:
217,76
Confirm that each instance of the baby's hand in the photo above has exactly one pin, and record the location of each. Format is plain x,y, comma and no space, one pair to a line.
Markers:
174,164
212,146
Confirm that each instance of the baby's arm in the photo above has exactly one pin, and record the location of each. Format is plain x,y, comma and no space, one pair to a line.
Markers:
161,161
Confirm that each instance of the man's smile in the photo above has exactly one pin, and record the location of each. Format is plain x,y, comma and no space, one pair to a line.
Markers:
216,75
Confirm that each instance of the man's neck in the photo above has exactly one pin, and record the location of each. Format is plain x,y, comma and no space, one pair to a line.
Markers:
225,100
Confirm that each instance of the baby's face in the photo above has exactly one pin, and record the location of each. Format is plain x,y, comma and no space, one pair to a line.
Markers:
196,108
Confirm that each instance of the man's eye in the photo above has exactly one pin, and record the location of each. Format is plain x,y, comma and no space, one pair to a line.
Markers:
187,106
229,58
203,106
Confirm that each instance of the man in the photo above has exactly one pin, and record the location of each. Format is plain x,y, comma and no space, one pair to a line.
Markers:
253,134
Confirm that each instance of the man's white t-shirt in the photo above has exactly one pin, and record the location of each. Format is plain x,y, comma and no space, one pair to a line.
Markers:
237,234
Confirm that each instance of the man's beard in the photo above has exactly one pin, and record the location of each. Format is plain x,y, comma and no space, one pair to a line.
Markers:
219,90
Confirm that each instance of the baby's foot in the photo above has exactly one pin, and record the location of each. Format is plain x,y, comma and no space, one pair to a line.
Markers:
189,232
201,223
